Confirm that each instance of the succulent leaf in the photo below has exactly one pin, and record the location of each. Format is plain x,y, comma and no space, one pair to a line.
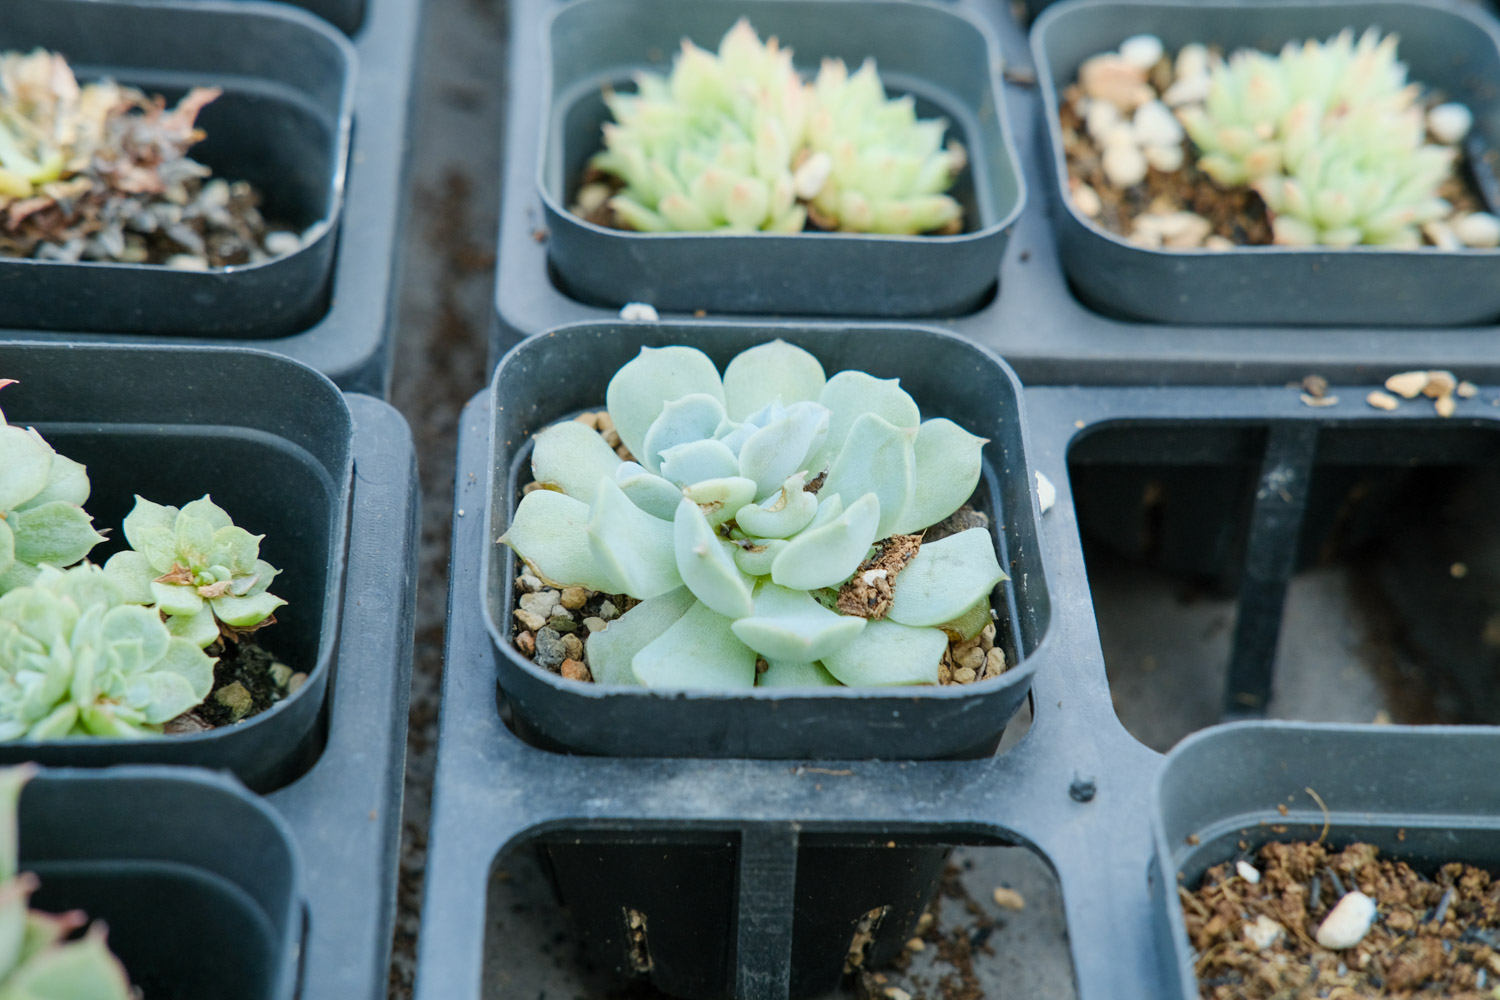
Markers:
611,649
630,545
787,674
571,458
886,653
768,373
782,445
850,395
651,493
645,384
693,418
782,515
697,651
41,515
948,463
878,459
946,578
790,625
706,564
550,533
828,554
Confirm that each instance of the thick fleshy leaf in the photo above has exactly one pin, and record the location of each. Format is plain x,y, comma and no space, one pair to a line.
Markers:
756,556
72,971
706,564
243,612
877,458
176,598
7,546
770,372
781,447
200,629
641,388
829,554
694,417
783,515
787,674
159,695
68,481
849,395
648,491
971,622
611,649
632,546
194,540
696,461
829,509
204,509
151,529
790,625
132,623
132,574
550,534
720,498
698,652
184,659
572,458
887,653
949,459
946,578
113,722
25,464
57,533
56,724
19,575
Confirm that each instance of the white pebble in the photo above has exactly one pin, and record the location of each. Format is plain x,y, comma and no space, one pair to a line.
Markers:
1441,234
1165,158
1217,242
642,312
1247,871
1263,933
281,243
812,175
1141,50
1156,126
1180,230
1086,200
1192,62
1124,165
1189,90
1478,229
1449,123
1099,118
1348,922
187,262
1046,493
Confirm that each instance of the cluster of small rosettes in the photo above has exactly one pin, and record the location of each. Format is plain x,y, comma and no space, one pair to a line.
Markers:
739,141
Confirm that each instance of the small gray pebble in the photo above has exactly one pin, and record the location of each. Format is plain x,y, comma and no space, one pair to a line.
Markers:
529,583
608,611
550,651
594,624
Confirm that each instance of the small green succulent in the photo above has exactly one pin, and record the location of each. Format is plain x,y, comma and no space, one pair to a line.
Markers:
710,147
770,513
40,958
76,659
196,567
886,169
739,141
42,519
1330,135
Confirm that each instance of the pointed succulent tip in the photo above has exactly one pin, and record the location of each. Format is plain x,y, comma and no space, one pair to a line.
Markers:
6,381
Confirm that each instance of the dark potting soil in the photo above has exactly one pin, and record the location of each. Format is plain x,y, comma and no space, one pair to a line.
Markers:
1432,937
247,681
556,639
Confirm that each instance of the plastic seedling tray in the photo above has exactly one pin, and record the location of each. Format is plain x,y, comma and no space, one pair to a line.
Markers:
344,327
550,378
282,123
1454,51
940,54
1075,789
1036,322
1420,795
269,440
198,881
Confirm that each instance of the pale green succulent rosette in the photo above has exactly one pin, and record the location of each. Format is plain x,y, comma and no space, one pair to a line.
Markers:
710,147
196,566
77,659
883,169
42,520
1330,135
733,558
40,958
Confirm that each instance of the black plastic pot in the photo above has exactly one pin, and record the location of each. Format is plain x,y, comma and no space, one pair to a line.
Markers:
1447,47
198,881
551,377
1424,796
270,441
939,53
283,123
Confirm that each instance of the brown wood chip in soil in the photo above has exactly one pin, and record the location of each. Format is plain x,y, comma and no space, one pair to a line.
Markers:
1433,936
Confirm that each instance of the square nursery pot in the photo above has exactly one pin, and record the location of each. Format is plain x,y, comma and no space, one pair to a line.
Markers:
283,123
269,439
198,880
1425,796
1447,47
941,54
553,376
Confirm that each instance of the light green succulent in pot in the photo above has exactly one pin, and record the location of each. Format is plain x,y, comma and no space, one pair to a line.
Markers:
41,958
42,519
197,567
77,659
772,513
1332,137
882,169
710,146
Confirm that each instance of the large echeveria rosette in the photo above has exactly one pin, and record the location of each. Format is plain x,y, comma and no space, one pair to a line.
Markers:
77,660
714,530
42,520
